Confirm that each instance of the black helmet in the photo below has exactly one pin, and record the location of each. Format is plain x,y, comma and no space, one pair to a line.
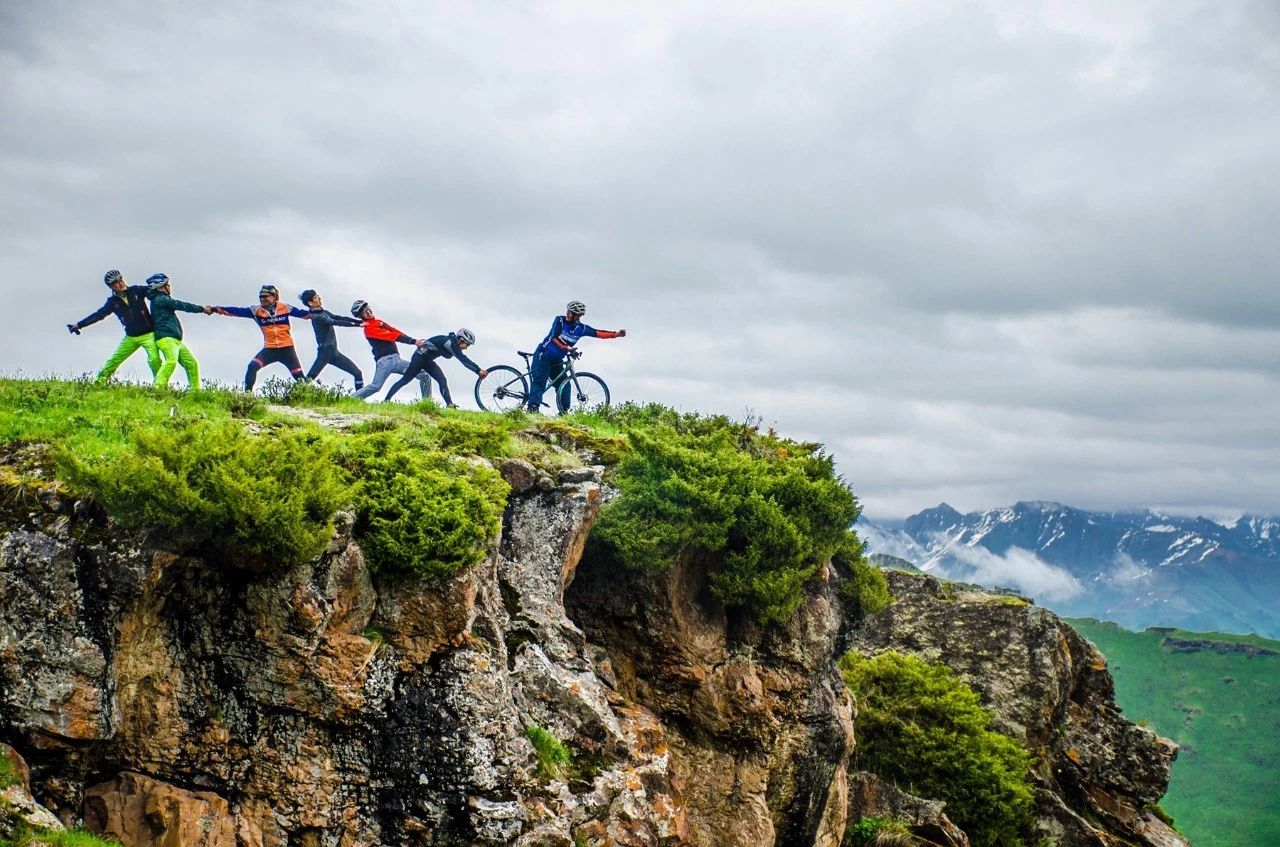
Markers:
358,307
112,276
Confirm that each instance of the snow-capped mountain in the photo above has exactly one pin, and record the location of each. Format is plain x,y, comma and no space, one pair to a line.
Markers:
1137,568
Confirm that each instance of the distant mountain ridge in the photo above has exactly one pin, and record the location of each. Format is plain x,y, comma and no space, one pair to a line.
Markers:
1138,568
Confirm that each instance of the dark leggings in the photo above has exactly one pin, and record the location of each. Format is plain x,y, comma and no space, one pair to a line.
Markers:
329,355
417,365
286,356
542,370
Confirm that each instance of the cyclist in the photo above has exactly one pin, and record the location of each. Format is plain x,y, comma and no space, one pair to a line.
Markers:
383,338
129,304
323,321
440,347
272,318
164,309
548,358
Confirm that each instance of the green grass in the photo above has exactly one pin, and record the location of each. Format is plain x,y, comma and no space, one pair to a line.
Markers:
553,756
1224,708
870,832
58,838
8,773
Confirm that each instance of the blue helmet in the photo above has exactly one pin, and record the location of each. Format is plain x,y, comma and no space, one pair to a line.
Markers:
157,281
112,276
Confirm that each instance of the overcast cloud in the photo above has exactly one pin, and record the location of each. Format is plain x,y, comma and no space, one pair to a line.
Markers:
986,251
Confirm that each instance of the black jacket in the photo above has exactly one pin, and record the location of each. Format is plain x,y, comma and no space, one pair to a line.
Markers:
130,306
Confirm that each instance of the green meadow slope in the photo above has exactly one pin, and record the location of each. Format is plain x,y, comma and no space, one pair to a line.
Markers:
1219,697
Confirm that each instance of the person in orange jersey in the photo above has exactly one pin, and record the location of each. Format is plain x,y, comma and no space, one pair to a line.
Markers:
272,317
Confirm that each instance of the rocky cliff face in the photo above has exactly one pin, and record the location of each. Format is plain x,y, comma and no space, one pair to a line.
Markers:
165,697
1096,774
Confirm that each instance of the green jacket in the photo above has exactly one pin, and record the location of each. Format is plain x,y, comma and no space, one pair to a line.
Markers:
163,308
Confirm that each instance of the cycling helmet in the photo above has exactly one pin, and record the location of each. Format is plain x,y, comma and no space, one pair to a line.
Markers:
268,289
466,335
358,307
157,281
307,295
112,276
575,307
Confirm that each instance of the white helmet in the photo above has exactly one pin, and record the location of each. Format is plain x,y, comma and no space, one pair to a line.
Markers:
575,307
466,335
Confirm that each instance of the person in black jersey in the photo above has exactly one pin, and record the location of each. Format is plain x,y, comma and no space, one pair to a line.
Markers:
322,322
440,347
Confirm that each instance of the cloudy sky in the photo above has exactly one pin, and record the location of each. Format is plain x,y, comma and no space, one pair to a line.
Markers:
987,251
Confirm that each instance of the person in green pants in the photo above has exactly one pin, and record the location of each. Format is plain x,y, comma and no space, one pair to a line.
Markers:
129,304
164,309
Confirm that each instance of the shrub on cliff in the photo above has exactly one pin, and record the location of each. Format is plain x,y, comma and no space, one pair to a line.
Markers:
862,585
270,498
766,511
421,512
923,729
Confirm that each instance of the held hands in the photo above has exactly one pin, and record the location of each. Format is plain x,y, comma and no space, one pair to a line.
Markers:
208,310
420,342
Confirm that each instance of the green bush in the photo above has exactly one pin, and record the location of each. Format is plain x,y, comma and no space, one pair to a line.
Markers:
921,728
553,756
269,497
294,392
877,832
420,512
767,512
862,585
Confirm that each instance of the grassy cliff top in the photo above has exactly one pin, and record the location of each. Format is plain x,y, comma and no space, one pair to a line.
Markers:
258,479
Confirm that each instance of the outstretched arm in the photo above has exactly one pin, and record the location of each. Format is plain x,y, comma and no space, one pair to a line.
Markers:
182,305
234,311
606,333
467,363
91,319
295,312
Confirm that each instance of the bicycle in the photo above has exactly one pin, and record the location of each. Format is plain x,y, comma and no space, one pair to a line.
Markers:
506,388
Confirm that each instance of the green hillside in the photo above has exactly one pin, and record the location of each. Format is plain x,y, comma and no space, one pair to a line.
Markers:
1219,697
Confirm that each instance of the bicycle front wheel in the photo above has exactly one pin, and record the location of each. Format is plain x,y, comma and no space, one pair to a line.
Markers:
586,391
502,390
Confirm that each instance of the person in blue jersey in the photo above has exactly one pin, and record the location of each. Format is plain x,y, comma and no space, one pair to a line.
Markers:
322,323
548,359
440,347
272,318
129,304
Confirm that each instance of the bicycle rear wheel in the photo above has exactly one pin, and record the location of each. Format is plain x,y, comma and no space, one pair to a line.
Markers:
502,390
586,391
